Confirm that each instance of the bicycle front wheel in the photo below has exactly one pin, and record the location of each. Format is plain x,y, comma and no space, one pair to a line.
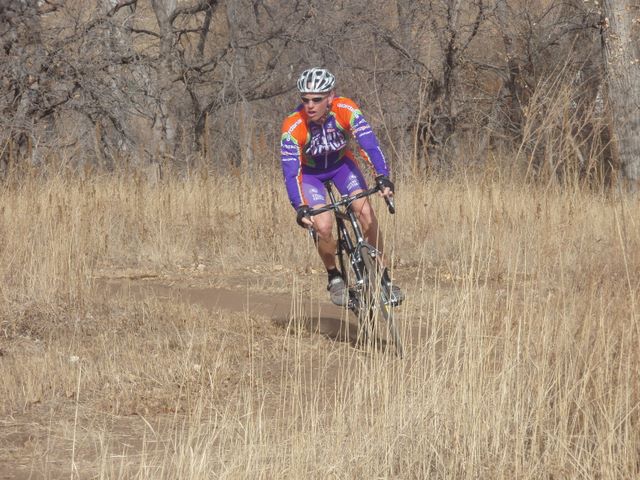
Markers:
377,299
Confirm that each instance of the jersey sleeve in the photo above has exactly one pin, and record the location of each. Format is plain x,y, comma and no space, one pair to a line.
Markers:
352,119
291,161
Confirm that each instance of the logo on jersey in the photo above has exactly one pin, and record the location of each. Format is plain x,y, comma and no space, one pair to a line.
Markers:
293,127
353,183
325,141
348,107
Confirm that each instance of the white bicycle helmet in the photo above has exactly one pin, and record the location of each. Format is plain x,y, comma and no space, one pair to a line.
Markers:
316,80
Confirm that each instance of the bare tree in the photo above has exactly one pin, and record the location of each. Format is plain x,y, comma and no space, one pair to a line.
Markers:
21,60
112,80
622,55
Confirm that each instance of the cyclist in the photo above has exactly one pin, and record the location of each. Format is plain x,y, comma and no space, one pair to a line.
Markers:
314,149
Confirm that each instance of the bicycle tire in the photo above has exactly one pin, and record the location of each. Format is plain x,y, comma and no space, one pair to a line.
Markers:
358,303
359,307
374,297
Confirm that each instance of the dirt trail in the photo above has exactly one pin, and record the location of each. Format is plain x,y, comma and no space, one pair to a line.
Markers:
320,316
27,446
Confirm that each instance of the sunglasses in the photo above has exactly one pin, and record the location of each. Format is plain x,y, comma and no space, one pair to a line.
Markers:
306,100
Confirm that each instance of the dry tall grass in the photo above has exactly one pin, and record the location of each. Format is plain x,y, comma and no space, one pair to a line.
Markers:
521,324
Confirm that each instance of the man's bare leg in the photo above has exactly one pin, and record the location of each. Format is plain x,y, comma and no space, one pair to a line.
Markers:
323,225
369,223
327,245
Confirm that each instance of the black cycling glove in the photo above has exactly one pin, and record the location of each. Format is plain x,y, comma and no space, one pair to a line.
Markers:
382,181
301,212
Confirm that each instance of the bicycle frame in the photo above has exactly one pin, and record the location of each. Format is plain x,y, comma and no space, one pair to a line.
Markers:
366,293
345,242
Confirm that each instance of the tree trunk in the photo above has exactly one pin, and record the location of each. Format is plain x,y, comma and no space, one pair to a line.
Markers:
623,83
164,126
240,70
514,80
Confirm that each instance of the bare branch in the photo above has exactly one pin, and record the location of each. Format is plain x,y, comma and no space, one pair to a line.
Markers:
206,25
119,5
52,108
49,7
142,30
190,9
393,43
476,26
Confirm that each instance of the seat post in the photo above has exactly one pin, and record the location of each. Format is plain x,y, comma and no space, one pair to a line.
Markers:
329,186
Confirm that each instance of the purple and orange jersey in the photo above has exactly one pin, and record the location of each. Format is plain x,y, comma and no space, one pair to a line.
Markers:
308,147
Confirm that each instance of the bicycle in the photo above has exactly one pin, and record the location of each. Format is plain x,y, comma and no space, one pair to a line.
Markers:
370,292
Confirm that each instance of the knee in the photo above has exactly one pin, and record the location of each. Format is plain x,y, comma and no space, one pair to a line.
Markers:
323,228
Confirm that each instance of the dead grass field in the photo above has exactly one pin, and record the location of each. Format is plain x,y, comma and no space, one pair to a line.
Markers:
119,361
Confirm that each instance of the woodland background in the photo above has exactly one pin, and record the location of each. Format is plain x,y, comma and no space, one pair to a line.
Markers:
547,86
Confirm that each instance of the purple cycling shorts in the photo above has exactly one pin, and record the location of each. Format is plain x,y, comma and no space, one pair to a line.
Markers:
346,176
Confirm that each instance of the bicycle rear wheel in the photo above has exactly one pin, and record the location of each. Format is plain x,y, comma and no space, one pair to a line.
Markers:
376,299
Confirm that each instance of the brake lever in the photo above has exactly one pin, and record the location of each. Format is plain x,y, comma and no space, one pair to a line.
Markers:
391,205
313,234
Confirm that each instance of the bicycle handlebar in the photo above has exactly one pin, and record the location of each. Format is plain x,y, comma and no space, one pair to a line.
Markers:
346,201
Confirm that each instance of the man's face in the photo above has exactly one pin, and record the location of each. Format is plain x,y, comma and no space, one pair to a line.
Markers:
316,104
